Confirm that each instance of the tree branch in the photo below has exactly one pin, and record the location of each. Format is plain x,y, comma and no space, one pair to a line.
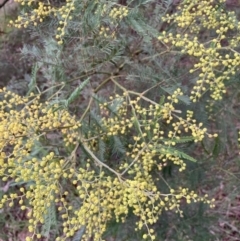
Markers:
3,4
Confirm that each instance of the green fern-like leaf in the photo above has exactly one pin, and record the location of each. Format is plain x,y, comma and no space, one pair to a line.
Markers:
179,154
118,146
183,139
101,150
79,234
32,83
75,94
49,220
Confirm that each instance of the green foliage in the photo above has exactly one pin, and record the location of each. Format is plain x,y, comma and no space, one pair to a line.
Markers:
123,99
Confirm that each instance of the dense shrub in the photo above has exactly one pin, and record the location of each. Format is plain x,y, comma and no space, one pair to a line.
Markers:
120,93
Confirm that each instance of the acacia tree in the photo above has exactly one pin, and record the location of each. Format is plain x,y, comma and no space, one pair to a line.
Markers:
109,107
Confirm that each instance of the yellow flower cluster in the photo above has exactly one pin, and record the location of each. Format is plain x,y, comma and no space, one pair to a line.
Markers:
24,123
195,14
133,185
39,13
104,197
41,10
107,189
152,145
214,66
65,15
118,13
107,33
104,192
168,107
115,13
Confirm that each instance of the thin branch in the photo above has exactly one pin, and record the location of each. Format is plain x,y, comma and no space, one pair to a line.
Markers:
100,163
3,4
